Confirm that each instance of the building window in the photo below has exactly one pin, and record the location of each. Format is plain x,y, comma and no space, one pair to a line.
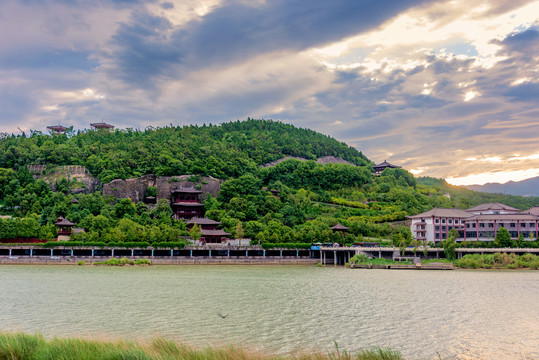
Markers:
467,226
449,221
437,236
481,225
444,228
437,228
491,225
512,225
532,225
473,225
444,235
437,221
443,221
456,221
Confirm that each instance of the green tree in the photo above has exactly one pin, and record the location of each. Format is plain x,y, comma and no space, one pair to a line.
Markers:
450,245
239,230
124,207
195,232
503,238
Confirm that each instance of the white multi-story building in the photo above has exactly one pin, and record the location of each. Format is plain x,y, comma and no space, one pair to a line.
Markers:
480,223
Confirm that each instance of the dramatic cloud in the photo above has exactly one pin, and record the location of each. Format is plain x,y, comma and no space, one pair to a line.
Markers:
446,89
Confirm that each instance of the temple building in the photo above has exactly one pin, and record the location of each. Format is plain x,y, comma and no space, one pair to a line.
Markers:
479,223
340,228
102,125
65,228
209,231
381,167
57,128
186,203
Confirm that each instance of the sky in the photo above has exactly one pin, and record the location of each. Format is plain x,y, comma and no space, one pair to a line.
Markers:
448,89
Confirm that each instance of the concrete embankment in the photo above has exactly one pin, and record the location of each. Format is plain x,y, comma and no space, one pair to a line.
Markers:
164,261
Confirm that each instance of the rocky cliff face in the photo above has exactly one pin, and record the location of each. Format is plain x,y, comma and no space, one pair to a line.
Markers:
135,189
323,160
85,181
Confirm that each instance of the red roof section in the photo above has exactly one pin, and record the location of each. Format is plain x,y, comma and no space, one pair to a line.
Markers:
64,222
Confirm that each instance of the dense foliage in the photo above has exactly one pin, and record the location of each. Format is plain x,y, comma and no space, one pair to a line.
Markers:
226,151
291,202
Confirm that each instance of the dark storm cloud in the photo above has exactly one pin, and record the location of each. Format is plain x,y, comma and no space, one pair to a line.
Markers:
48,59
15,104
143,49
237,31
523,42
84,3
524,92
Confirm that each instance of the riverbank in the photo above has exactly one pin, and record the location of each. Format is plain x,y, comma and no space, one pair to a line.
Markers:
36,347
162,261
496,261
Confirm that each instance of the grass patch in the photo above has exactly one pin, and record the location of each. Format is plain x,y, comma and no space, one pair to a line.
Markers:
363,259
18,346
498,261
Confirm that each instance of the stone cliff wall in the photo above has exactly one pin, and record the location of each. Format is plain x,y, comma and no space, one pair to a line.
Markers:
88,181
135,189
323,160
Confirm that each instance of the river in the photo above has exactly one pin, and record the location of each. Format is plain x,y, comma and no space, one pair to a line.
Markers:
282,309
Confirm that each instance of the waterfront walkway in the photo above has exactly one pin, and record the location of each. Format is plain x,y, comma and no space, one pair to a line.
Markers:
233,255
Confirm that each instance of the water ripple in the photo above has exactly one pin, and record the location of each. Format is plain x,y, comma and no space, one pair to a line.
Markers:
284,309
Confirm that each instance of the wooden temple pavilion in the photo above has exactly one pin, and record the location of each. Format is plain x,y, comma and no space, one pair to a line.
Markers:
57,128
64,226
340,228
382,166
102,125
208,228
186,203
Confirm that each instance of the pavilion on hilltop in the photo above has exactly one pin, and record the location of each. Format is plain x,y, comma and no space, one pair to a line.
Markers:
57,128
102,125
382,166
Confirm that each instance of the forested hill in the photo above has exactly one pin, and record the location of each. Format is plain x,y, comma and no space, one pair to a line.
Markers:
224,151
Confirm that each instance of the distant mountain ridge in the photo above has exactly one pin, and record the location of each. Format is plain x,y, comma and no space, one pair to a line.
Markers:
528,187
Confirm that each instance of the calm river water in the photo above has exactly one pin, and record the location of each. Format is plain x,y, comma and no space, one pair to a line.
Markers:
283,309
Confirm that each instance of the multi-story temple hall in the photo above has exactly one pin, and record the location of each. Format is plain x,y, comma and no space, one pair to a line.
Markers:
186,205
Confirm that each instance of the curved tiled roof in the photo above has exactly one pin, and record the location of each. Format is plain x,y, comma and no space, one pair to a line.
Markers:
187,191
507,217
214,233
492,206
442,212
188,204
534,211
64,222
339,227
202,221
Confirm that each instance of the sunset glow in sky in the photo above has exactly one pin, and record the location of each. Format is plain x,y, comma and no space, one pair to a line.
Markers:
447,89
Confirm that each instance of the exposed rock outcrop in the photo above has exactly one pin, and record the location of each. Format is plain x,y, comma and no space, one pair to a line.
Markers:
135,189
87,182
333,160
323,160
